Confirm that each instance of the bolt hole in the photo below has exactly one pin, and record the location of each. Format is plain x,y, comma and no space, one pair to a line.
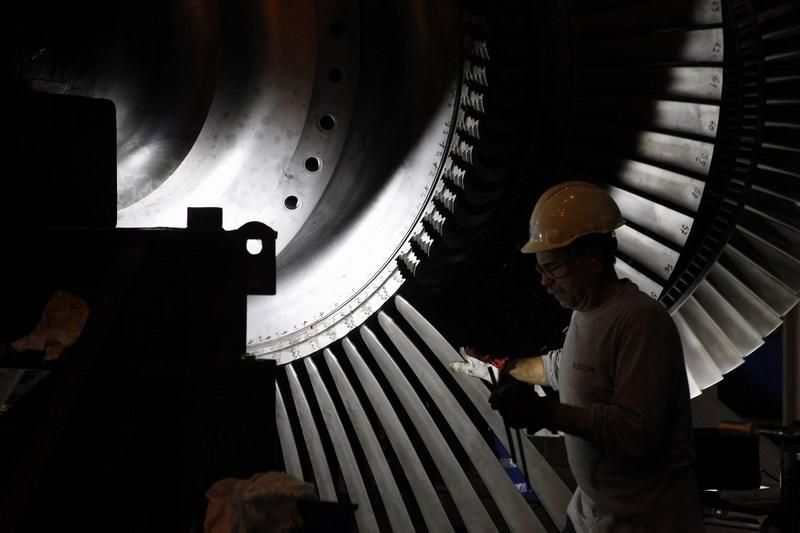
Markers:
327,122
254,246
335,75
313,164
291,202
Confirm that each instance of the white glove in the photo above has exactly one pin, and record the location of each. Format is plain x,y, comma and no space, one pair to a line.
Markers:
474,367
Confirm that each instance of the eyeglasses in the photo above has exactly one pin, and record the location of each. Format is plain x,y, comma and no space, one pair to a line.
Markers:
551,272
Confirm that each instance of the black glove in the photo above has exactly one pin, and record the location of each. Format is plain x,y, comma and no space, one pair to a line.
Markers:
521,407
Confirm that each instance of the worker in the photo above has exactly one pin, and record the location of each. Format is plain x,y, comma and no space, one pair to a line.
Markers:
624,399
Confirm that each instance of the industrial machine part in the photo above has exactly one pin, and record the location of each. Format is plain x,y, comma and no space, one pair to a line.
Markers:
783,512
153,401
380,159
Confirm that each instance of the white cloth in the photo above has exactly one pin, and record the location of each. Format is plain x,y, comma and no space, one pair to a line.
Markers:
474,367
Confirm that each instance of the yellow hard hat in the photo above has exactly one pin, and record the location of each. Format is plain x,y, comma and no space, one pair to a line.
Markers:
570,210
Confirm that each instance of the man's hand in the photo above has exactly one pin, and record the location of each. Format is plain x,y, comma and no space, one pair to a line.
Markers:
522,407
497,362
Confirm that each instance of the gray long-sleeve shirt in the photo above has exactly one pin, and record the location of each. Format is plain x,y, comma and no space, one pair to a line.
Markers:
624,362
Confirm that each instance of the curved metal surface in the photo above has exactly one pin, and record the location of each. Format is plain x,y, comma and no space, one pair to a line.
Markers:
157,61
651,114
699,364
647,251
758,277
701,82
759,315
467,502
319,462
549,488
264,108
647,120
340,266
291,459
362,146
424,492
653,216
669,187
721,350
249,155
353,479
387,486
515,509
735,327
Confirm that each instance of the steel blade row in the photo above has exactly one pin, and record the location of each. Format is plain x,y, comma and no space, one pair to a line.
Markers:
648,111
756,279
648,88
380,421
485,135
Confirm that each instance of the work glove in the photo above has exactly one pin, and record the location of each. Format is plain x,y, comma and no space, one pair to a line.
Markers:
478,365
521,406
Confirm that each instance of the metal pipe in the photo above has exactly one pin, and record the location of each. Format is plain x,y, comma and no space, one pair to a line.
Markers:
791,367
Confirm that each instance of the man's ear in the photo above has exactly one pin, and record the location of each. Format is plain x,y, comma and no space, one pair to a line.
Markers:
595,256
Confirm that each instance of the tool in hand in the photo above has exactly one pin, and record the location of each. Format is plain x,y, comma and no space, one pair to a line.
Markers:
487,369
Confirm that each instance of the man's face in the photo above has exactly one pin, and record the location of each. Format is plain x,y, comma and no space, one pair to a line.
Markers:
566,276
